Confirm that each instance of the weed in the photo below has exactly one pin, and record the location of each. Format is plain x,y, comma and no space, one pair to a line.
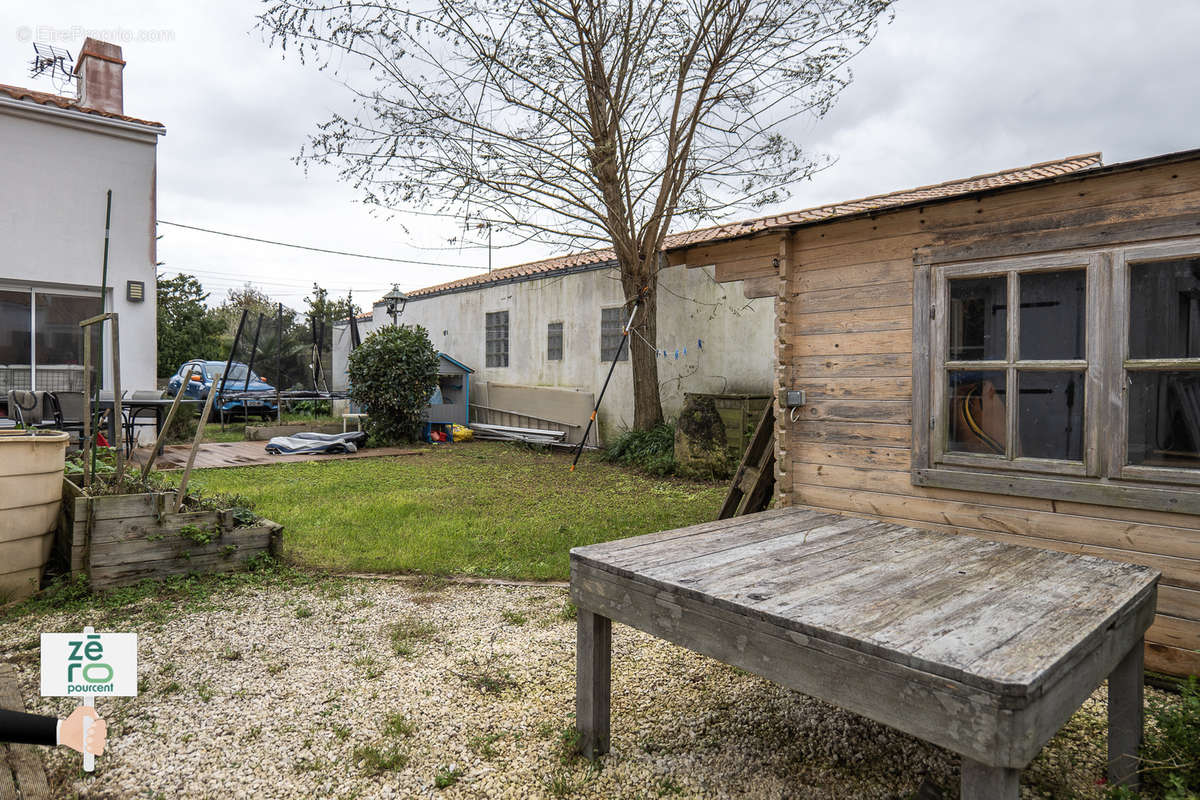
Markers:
482,745
447,776
171,688
398,726
652,451
369,666
568,745
1171,753
513,617
407,632
204,691
303,612
342,732
199,534
570,611
302,765
229,654
376,761
275,669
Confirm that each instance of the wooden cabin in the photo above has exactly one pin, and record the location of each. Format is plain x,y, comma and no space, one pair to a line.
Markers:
1071,424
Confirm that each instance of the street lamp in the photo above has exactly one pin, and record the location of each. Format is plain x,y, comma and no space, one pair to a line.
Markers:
395,300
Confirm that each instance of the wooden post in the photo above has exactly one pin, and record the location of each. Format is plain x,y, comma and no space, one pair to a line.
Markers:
1125,698
187,470
593,675
981,782
118,420
88,435
162,434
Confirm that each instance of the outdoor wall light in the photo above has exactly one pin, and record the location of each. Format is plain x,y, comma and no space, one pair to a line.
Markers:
395,300
135,291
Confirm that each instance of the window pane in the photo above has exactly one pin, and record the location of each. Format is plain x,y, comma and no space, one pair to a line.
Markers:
59,340
977,418
1164,419
978,314
1050,415
1053,314
1164,309
14,341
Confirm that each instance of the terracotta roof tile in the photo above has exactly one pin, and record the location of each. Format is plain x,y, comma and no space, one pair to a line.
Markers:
47,99
938,191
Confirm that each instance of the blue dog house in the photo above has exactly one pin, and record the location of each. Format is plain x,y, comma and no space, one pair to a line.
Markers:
449,403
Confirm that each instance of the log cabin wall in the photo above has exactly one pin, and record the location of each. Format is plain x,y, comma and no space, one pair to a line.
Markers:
845,320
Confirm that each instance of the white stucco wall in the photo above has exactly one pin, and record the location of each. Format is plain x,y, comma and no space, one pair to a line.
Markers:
55,168
736,356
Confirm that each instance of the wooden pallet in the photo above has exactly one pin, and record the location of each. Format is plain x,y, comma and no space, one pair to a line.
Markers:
22,776
754,481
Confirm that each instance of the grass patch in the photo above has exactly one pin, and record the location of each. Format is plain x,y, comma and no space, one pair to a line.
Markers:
446,777
481,745
513,617
398,726
407,632
378,760
481,508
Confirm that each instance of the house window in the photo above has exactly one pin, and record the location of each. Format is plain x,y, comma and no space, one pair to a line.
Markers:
41,343
612,331
1069,377
496,336
554,341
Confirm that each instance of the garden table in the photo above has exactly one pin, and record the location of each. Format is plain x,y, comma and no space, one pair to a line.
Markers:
980,647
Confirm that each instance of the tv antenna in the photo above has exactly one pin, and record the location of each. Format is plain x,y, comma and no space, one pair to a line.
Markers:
54,63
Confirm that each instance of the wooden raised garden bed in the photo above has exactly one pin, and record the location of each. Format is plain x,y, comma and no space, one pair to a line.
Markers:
122,539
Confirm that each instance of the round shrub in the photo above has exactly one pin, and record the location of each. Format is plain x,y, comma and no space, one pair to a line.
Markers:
392,376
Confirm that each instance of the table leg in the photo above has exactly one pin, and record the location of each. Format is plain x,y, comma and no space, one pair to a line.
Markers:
1125,696
981,782
593,672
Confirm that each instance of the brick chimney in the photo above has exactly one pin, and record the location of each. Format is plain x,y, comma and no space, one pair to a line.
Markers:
98,71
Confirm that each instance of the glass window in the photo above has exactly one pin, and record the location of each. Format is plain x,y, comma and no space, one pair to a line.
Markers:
14,341
978,417
59,340
1053,315
496,338
1164,419
978,319
1050,415
612,329
554,341
1164,309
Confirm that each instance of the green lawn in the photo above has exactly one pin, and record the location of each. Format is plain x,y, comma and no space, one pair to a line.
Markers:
485,509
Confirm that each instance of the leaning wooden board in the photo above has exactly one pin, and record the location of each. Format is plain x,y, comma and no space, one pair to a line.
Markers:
981,647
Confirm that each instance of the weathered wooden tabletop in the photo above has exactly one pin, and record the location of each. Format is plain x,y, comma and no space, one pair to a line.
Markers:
1003,618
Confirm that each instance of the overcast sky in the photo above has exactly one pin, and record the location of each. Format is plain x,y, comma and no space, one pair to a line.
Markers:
950,88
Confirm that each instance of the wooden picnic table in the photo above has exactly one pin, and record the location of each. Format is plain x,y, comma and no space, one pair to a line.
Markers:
980,647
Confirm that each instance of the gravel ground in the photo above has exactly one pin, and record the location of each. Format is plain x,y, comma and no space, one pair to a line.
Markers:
300,692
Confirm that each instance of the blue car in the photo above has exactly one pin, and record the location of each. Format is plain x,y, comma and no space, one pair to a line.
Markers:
206,374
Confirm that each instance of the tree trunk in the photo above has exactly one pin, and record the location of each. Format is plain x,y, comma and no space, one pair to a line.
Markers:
643,339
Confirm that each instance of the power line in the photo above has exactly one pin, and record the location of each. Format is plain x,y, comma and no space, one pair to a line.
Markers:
318,249
229,277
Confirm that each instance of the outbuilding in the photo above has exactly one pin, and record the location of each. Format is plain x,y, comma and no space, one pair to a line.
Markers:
1015,360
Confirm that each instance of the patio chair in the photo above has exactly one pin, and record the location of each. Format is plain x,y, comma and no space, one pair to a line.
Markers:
131,416
34,409
70,404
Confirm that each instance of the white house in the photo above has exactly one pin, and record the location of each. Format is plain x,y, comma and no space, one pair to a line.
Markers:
59,157
555,323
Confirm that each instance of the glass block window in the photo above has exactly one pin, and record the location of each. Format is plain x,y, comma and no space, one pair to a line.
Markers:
554,341
496,337
612,326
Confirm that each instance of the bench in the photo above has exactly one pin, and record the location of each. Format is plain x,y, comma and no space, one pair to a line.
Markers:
980,647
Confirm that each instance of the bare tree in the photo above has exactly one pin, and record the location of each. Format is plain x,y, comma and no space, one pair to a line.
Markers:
579,122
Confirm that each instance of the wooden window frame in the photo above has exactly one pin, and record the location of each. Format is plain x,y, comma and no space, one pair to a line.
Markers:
1103,477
